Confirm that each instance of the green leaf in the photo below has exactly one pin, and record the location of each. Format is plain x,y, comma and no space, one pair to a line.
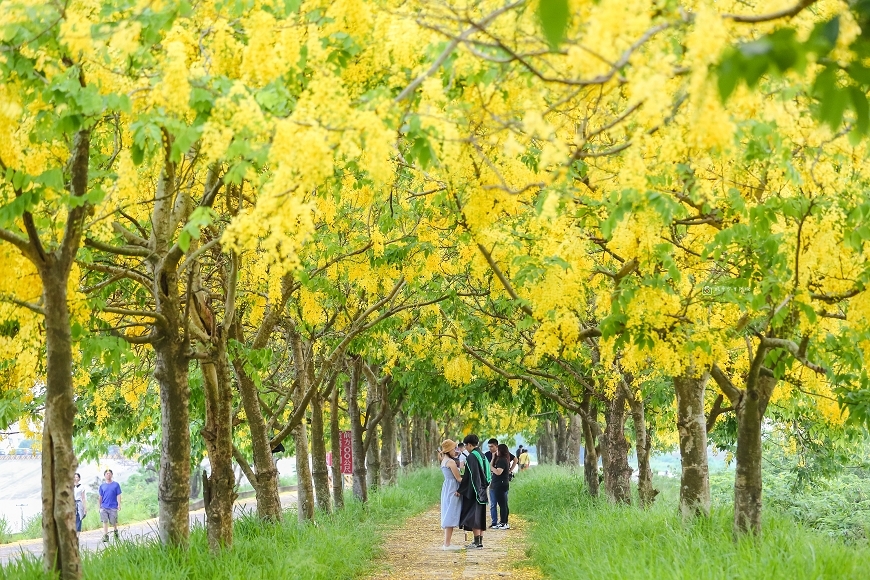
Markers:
183,141
862,110
137,154
199,218
833,105
729,75
184,240
554,20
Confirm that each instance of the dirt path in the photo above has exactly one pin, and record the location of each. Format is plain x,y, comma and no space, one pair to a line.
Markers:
414,551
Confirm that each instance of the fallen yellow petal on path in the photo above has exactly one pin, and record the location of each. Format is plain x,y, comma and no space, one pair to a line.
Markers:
414,551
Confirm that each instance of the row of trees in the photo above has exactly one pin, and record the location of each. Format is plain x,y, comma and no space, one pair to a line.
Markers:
225,219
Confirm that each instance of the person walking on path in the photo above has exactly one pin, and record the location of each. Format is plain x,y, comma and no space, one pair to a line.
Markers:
501,484
490,455
524,460
473,488
451,502
79,495
463,455
110,504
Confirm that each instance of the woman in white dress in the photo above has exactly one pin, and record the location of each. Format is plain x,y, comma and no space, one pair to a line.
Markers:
451,502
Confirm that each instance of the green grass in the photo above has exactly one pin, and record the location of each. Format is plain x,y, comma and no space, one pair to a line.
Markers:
838,507
340,546
576,537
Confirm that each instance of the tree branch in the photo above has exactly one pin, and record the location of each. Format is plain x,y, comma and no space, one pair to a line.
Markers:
19,242
119,271
159,318
725,384
29,305
717,410
448,50
503,279
246,467
121,251
796,352
784,13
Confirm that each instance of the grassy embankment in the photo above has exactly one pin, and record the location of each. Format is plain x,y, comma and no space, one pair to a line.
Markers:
139,503
576,537
340,546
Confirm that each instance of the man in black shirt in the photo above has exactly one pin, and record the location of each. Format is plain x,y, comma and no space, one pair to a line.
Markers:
493,450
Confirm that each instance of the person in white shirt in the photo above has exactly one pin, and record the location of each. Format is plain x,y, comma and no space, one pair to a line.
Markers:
80,497
463,455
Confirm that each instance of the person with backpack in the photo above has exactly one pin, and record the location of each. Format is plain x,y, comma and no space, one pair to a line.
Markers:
473,489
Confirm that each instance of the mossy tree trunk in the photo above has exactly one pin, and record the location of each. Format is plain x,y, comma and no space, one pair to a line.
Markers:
319,471
360,489
404,428
617,472
591,433
218,435
692,428
334,433
574,440
645,491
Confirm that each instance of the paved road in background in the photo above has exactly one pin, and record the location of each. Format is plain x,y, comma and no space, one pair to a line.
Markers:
21,485
140,531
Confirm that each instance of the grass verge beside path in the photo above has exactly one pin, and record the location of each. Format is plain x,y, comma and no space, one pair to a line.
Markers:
341,546
576,537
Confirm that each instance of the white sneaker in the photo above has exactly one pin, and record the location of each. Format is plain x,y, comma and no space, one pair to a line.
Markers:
451,548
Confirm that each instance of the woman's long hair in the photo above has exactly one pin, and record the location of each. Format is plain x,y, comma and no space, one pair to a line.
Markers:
504,453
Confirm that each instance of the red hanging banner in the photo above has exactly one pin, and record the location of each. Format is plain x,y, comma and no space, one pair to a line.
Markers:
346,459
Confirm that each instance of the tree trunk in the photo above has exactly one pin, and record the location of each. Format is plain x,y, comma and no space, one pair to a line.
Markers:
417,437
171,373
373,453
434,442
573,442
195,486
373,460
266,484
561,440
747,477
360,490
692,426
591,430
61,545
546,443
218,435
617,472
266,481
388,443
304,488
404,427
334,435
320,471
645,490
